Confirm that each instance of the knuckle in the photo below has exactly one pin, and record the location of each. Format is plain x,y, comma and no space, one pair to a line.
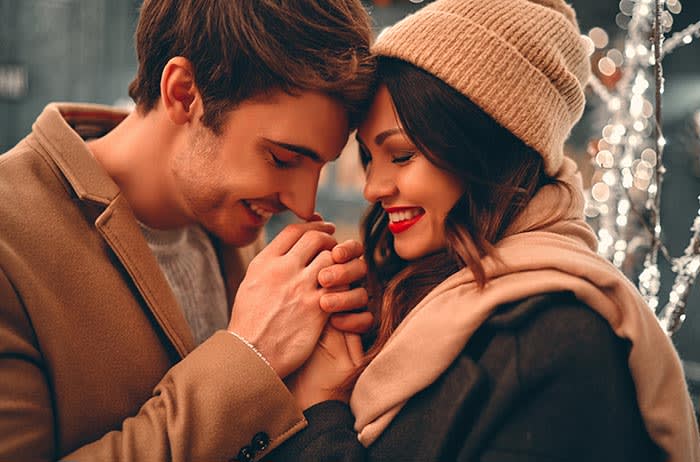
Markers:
294,228
327,302
355,244
319,237
357,247
339,273
316,234
289,232
326,257
360,267
362,296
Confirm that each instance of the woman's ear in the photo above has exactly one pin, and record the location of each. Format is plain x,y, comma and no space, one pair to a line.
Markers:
178,92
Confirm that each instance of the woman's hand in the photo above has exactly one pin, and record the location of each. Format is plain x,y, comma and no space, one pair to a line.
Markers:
336,356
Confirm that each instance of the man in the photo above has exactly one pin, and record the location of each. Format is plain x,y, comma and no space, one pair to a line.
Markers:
124,239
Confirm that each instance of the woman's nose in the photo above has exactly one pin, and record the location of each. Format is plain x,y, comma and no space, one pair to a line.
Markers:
379,183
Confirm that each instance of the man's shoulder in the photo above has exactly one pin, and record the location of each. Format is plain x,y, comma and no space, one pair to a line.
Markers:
23,167
32,191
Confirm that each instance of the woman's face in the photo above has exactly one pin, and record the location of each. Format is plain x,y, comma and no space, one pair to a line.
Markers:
416,194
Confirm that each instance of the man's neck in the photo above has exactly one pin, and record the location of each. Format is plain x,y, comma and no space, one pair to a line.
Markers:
136,155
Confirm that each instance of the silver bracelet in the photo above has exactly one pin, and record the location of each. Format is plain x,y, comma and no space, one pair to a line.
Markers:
250,345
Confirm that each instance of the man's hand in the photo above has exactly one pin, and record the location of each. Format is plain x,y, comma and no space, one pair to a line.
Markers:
277,306
346,299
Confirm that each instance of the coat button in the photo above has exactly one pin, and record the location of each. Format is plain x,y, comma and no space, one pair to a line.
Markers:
260,441
246,454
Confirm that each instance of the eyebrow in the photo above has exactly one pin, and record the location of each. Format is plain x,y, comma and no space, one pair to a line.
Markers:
379,139
301,150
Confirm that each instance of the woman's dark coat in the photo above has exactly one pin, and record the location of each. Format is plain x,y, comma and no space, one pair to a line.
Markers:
545,379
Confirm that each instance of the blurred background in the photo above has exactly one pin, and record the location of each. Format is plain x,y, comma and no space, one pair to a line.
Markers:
82,50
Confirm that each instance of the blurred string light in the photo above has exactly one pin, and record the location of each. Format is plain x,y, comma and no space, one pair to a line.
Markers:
684,37
686,268
624,198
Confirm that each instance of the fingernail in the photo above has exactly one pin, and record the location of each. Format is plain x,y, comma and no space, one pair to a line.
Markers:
325,277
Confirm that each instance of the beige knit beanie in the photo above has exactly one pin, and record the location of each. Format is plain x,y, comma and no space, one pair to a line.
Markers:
522,61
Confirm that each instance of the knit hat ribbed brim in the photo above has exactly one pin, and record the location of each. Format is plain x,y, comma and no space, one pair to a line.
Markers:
523,62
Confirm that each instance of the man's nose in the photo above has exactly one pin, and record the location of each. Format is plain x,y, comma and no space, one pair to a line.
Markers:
299,193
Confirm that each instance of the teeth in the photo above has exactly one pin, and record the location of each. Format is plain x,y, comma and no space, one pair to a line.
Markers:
260,211
404,215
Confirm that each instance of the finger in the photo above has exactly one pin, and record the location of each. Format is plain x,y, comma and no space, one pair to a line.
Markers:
353,299
348,250
291,234
356,323
353,343
322,260
329,290
310,245
315,217
343,274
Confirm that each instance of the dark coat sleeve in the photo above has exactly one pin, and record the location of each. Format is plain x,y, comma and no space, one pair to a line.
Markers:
576,398
329,437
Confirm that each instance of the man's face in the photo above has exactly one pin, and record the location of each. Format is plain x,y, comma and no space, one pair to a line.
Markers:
267,159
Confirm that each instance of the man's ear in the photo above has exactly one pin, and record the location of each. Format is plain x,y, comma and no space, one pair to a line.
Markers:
178,91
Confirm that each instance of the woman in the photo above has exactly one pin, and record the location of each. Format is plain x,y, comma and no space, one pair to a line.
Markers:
502,335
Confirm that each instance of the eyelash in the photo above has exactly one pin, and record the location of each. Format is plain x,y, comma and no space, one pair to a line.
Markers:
366,158
403,159
279,163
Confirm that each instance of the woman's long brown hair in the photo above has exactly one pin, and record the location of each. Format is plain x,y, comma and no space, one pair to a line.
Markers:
500,175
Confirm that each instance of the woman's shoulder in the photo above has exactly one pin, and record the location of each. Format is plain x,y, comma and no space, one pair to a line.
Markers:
557,326
557,371
548,337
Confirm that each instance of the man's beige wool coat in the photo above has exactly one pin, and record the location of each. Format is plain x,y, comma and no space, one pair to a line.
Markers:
97,361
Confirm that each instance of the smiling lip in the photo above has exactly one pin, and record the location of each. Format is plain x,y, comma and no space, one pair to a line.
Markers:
256,218
397,227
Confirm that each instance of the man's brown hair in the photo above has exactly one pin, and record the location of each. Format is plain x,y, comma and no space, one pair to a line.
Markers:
246,48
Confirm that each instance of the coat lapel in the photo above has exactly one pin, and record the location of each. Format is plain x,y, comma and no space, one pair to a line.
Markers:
120,230
116,223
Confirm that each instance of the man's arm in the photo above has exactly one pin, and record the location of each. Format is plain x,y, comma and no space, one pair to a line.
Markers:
26,414
207,407
210,406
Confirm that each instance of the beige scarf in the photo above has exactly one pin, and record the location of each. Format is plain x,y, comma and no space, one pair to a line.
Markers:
533,259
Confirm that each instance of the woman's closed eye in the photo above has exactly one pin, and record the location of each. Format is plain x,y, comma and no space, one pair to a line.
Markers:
403,157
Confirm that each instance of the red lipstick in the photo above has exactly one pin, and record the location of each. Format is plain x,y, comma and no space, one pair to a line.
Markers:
397,227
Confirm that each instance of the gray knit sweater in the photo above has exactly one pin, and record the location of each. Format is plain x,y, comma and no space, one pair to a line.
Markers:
191,267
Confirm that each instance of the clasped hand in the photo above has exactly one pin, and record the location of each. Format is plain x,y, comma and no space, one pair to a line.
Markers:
292,287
